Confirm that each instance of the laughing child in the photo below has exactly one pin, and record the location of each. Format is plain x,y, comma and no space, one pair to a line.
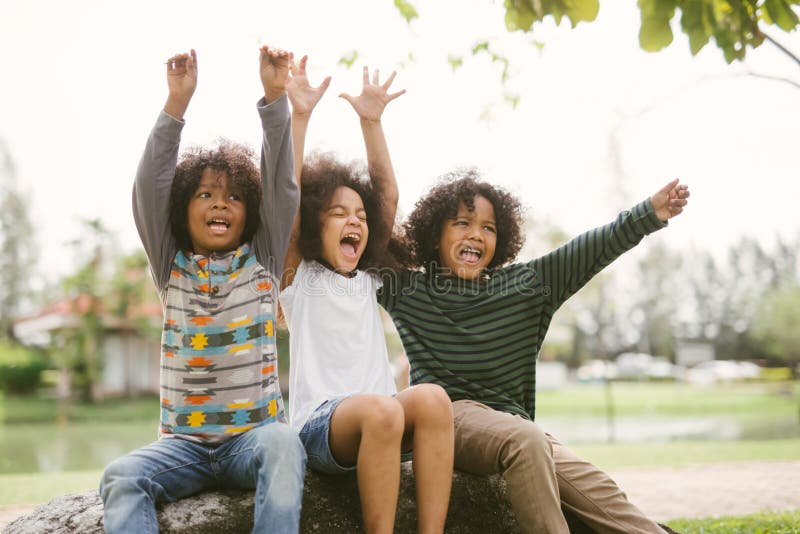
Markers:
215,231
474,324
342,393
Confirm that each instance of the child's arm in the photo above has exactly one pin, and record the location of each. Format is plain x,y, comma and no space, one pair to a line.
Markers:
279,193
568,268
304,99
370,105
153,183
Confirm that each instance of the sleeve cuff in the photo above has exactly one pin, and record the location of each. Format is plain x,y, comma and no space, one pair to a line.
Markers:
276,112
168,127
644,216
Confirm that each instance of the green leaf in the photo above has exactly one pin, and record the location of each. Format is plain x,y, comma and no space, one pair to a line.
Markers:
406,9
781,14
512,100
519,16
695,24
480,46
582,10
456,62
655,32
349,59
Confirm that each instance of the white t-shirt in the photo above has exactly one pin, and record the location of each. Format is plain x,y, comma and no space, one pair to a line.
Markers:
336,342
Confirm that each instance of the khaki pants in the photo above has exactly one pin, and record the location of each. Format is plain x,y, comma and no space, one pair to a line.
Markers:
541,474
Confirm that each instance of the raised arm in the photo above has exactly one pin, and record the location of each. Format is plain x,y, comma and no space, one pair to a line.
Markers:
304,99
153,183
370,105
568,268
279,194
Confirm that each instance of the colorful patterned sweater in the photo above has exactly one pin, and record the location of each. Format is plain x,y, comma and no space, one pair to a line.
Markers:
480,341
218,360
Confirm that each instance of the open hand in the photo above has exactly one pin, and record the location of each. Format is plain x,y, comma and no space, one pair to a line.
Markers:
373,98
304,97
182,75
670,200
274,69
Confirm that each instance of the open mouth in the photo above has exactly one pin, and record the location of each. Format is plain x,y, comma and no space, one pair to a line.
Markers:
349,245
218,226
470,255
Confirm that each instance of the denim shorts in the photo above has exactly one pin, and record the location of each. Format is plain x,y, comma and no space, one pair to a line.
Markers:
314,436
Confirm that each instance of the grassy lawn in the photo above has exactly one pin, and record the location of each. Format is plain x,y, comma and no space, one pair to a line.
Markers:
38,488
762,523
631,398
683,453
31,409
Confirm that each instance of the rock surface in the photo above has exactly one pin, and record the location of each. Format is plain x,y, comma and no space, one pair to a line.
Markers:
330,504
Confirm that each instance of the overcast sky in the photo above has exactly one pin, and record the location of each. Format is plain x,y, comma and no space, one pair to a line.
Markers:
83,83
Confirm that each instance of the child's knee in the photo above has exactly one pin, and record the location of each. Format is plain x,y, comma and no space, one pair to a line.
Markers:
281,441
123,473
433,402
529,440
385,417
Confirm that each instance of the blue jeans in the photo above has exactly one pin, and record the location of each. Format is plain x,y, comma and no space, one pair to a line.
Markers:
269,459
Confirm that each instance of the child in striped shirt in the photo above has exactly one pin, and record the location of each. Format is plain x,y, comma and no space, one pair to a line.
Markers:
215,231
342,393
473,324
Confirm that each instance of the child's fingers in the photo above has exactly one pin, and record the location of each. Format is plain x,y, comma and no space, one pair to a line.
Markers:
324,85
389,80
669,187
375,76
395,95
302,64
347,97
366,75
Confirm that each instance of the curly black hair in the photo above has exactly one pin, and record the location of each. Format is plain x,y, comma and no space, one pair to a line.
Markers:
235,159
423,228
322,175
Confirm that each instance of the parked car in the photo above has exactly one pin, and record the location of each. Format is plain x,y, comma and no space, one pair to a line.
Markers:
707,373
596,371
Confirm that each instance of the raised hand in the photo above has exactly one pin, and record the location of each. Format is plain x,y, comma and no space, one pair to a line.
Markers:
302,96
274,70
181,81
670,200
373,98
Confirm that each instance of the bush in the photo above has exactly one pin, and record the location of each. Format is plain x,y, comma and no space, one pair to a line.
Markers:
20,369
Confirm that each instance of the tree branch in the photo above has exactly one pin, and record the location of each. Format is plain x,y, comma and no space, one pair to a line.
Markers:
781,48
774,78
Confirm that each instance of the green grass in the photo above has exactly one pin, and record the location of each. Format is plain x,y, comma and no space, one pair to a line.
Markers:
630,399
683,453
761,523
32,409
38,488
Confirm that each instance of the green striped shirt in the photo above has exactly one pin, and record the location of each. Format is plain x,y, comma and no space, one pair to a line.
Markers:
480,341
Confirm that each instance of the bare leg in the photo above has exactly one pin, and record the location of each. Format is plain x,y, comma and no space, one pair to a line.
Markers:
366,430
429,426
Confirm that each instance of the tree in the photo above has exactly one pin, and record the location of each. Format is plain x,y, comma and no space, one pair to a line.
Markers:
776,325
80,348
16,242
735,25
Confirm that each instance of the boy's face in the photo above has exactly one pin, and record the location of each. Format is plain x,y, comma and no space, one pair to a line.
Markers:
216,214
344,230
468,241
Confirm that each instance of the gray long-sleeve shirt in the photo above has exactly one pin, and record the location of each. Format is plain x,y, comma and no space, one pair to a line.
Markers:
218,359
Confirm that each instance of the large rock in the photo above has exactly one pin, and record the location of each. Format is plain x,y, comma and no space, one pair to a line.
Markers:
330,505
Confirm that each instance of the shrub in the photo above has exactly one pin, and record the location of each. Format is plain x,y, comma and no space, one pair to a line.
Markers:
20,369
